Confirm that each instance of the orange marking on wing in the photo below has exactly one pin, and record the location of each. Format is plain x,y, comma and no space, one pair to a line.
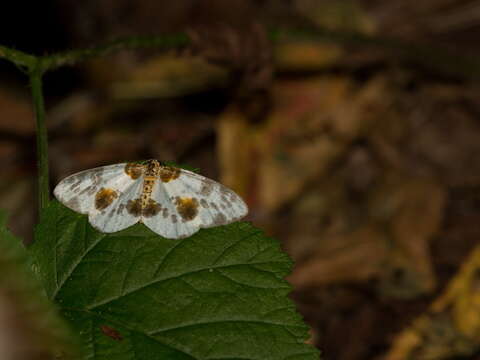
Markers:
169,173
104,198
134,170
187,207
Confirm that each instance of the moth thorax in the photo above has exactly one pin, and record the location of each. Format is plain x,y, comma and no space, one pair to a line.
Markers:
152,168
148,183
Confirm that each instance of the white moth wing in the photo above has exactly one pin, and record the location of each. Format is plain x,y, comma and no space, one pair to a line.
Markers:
102,193
192,202
78,191
218,205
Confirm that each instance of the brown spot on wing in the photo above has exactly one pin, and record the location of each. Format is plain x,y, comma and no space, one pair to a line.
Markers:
92,190
207,187
219,219
120,209
111,332
99,171
174,218
228,194
204,203
152,208
89,190
74,187
134,170
134,207
165,213
169,173
187,208
70,179
96,178
226,201
104,198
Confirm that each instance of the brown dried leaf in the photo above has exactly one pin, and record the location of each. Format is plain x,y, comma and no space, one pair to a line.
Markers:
452,326
344,15
169,76
416,207
331,116
306,56
350,257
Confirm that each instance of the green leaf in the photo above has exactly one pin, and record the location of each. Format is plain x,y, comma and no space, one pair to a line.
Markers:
219,294
34,322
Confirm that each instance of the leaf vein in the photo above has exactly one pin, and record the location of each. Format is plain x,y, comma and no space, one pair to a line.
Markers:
229,321
166,257
219,257
176,276
74,265
250,285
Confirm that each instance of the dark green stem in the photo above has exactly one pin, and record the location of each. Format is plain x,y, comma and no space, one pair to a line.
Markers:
164,42
36,75
19,58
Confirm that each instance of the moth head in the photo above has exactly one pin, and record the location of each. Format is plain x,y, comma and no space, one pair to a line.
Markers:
152,166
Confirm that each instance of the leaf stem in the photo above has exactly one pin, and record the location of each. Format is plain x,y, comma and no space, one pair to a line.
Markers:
36,74
19,58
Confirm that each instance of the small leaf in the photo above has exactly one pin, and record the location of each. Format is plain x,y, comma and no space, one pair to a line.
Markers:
34,328
219,294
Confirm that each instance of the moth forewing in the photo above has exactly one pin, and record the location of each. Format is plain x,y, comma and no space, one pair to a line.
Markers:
78,191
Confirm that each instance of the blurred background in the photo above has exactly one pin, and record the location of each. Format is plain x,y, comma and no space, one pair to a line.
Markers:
359,150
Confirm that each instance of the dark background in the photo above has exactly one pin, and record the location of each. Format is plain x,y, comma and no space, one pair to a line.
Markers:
359,152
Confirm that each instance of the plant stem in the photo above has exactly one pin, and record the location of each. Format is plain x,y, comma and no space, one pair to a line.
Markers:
430,57
36,75
19,58
164,42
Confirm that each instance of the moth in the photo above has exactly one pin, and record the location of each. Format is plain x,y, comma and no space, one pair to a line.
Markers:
173,202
